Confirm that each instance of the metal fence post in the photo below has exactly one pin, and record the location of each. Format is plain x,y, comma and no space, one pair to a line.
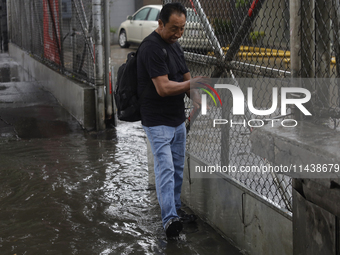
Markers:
107,59
307,39
61,36
225,131
323,45
295,37
209,30
295,46
335,14
9,21
336,26
308,48
21,12
114,108
74,48
99,64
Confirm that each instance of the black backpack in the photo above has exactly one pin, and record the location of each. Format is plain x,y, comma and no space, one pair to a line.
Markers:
126,95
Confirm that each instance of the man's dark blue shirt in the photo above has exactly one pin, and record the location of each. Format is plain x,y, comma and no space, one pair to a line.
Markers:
157,59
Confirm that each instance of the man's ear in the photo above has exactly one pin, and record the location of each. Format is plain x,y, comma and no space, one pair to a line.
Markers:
160,24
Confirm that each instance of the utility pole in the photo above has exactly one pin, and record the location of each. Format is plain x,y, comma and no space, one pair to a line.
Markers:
108,87
99,63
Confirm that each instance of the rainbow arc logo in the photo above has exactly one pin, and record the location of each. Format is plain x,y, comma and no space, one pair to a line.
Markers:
205,88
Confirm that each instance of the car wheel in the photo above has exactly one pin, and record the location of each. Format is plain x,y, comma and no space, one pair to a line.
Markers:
123,40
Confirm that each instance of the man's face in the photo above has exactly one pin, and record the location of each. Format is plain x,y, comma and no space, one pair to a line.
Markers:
173,29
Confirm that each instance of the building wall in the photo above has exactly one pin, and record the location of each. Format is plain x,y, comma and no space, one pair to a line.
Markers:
119,10
244,218
141,3
147,2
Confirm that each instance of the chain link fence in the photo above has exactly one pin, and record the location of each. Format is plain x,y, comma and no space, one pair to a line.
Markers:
56,32
251,40
320,51
234,39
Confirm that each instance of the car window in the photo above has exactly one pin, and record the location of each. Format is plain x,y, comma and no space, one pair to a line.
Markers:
141,15
153,15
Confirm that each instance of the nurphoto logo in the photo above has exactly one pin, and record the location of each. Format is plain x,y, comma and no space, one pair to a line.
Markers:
240,104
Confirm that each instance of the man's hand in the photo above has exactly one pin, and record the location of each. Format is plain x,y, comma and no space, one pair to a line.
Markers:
195,83
199,81
195,97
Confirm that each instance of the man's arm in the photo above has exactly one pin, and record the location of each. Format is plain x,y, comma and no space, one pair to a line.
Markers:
165,87
192,94
187,76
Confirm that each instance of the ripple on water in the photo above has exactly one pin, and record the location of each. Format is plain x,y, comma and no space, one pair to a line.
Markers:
81,194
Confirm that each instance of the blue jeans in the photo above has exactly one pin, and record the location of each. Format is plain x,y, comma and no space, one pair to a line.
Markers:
168,148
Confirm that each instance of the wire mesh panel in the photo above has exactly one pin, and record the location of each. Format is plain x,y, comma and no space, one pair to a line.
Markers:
240,41
78,43
220,138
319,54
57,32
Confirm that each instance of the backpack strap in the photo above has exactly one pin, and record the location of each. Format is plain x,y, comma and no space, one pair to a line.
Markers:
147,88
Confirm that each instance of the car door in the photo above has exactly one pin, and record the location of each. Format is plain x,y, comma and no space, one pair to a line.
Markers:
151,22
135,30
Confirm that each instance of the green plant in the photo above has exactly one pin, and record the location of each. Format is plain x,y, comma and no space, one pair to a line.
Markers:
222,26
113,30
255,36
241,3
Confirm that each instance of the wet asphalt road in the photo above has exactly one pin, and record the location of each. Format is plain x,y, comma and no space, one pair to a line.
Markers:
64,190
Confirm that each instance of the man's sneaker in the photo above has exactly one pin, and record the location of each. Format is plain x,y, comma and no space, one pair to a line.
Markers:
173,227
186,218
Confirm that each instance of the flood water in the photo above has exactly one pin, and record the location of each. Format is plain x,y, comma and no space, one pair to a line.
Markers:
87,193
64,190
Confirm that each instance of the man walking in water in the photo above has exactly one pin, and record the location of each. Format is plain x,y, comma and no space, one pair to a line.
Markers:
164,79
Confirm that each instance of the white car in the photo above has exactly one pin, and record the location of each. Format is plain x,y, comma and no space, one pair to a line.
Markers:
139,25
145,20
